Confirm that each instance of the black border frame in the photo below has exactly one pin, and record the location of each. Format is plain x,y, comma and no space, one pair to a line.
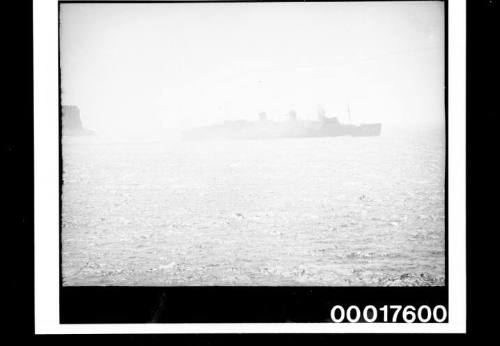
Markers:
234,304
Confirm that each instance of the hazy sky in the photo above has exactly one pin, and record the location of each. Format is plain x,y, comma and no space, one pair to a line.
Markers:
151,68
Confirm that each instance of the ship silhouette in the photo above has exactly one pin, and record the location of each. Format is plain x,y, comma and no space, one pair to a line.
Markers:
292,127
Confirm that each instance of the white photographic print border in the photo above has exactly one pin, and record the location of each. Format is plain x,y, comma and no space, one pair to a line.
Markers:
47,245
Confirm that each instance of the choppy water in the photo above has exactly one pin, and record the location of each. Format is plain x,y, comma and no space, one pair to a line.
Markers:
307,211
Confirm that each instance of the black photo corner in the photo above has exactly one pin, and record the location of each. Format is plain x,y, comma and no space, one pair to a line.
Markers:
234,304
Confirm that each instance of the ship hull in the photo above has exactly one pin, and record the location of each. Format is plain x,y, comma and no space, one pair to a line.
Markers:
269,131
368,130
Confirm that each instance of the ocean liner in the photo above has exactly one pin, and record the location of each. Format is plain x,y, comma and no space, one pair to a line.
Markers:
292,127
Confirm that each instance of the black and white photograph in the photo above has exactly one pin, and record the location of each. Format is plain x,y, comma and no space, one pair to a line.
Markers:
243,167
253,144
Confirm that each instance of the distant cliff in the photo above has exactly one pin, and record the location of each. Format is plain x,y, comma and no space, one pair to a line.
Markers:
72,123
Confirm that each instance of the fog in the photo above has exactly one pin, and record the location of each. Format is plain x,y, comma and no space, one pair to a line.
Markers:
155,69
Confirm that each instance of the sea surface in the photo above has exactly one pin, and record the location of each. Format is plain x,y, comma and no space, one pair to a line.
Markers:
305,211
